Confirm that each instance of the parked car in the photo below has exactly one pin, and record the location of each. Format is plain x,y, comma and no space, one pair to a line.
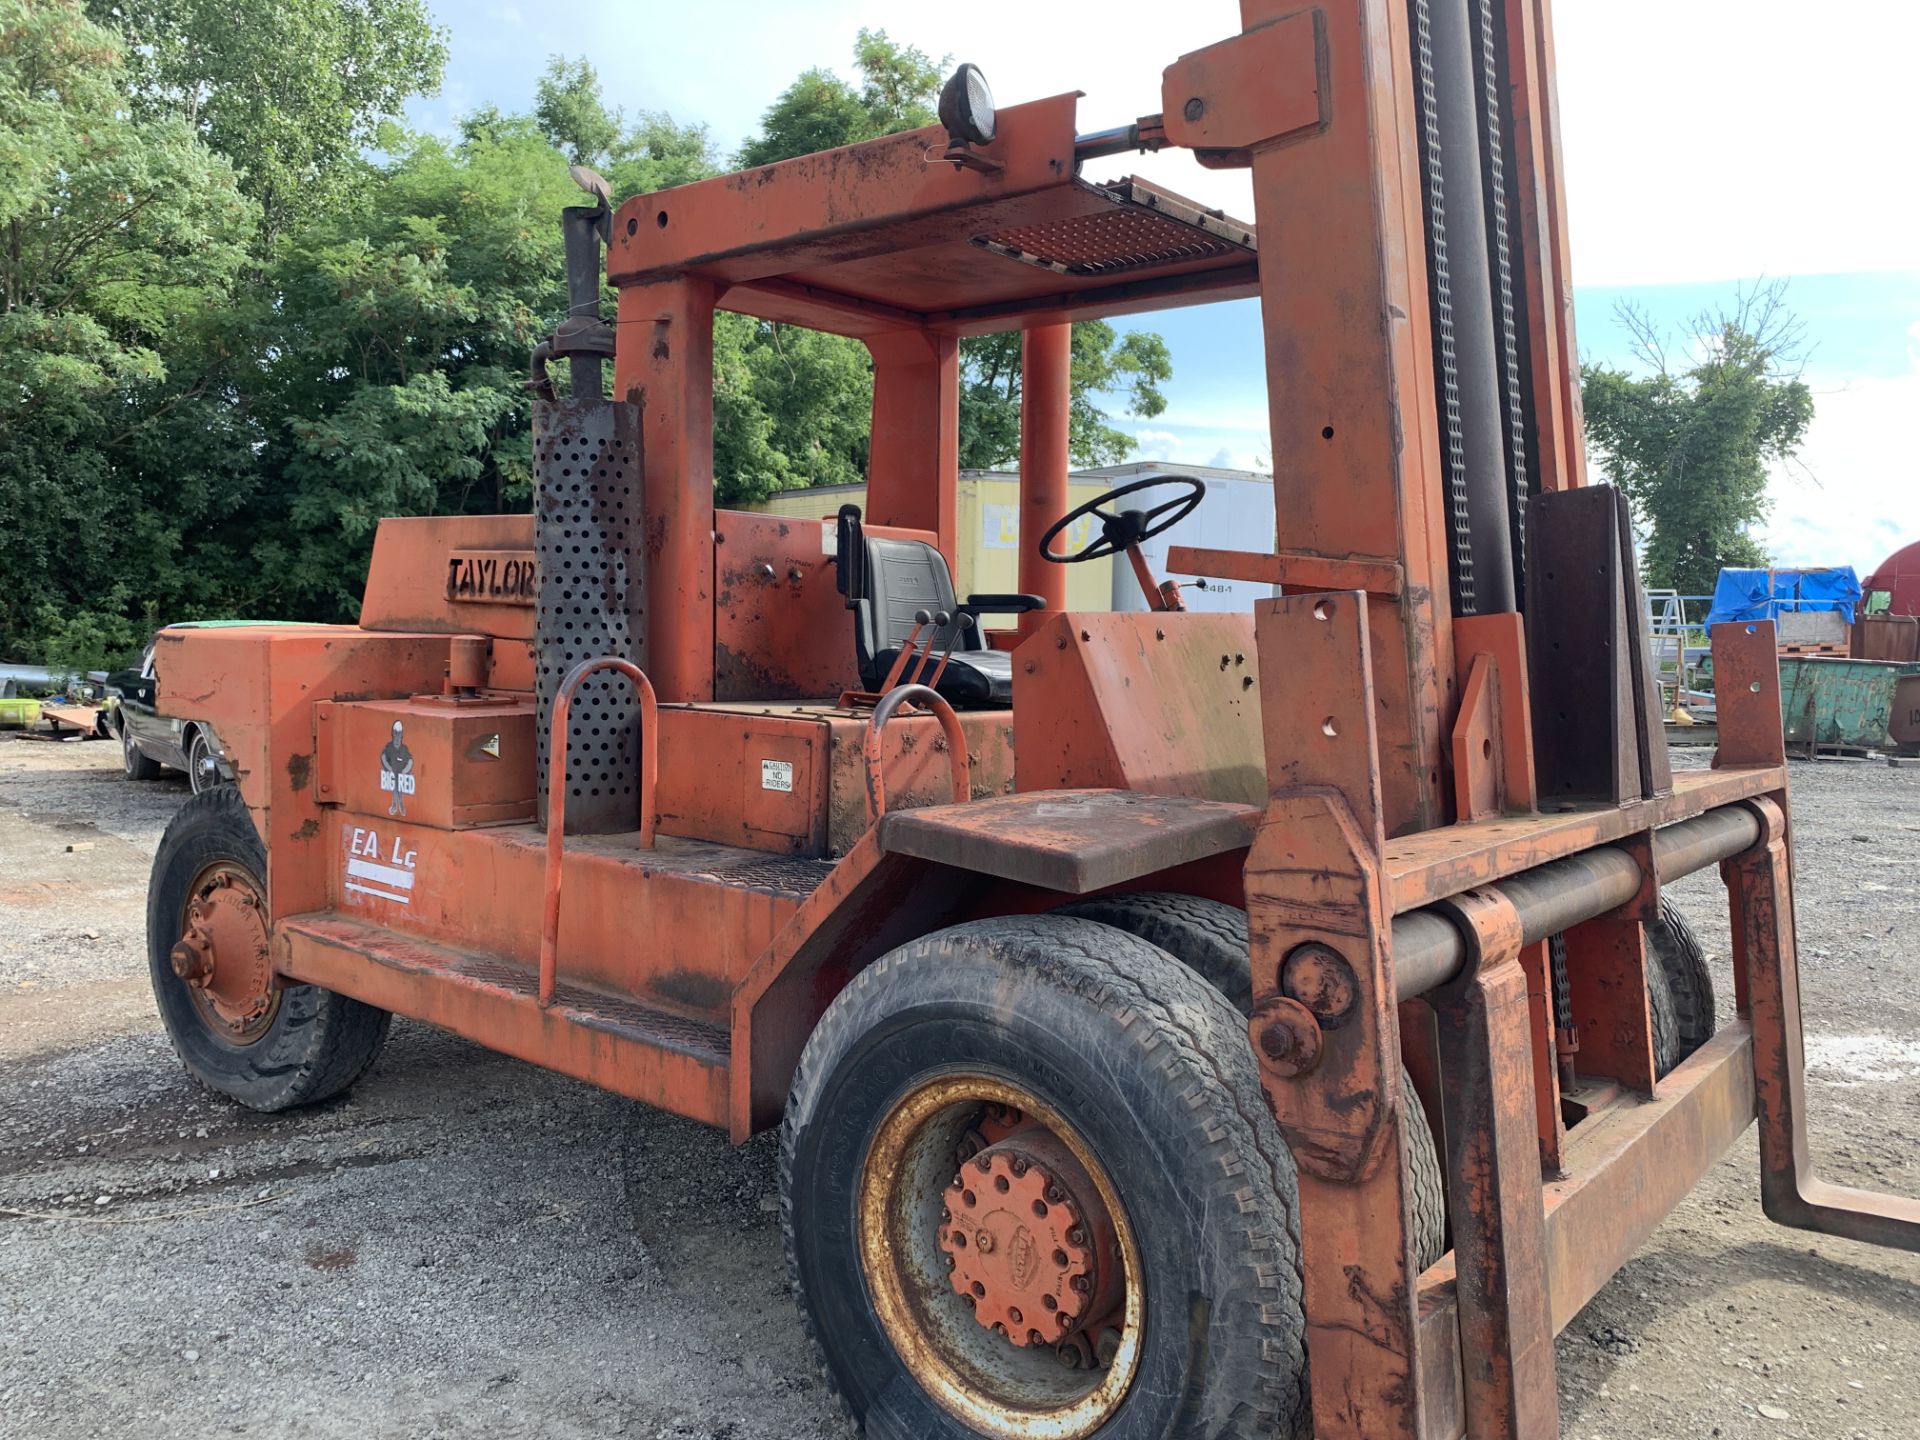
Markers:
150,740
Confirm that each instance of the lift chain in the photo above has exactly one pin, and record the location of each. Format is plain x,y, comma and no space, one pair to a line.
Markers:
1452,441
1506,327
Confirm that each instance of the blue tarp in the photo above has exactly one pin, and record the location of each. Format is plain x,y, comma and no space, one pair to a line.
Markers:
1766,594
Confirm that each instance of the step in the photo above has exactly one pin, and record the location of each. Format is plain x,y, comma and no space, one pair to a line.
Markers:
678,1062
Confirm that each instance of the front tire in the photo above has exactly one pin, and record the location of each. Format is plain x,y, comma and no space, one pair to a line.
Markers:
1210,939
203,766
304,1044
1679,962
1136,1065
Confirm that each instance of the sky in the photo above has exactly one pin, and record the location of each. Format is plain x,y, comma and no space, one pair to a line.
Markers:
1706,144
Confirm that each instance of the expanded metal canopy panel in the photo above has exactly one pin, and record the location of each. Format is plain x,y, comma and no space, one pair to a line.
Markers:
1082,249
887,235
1150,230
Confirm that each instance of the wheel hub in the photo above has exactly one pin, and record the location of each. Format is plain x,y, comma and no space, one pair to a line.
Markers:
1030,1247
223,952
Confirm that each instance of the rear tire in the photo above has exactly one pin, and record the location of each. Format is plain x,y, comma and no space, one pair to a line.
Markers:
1146,1065
1210,939
316,1043
135,761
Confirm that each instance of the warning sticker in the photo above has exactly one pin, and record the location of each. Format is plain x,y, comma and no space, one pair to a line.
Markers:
776,775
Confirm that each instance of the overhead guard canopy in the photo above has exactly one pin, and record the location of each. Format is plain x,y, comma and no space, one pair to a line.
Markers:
884,235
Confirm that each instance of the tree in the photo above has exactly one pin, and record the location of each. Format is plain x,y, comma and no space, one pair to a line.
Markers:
119,240
1103,362
571,114
397,343
821,111
654,153
1691,443
395,355
290,91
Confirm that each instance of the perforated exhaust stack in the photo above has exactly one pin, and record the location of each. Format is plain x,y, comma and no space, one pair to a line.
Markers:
588,507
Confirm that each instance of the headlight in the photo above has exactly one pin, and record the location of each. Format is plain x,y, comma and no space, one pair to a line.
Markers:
966,107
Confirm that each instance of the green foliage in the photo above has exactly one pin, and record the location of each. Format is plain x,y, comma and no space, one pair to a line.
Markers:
92,640
1691,445
792,408
821,111
570,112
398,353
1103,363
656,153
246,315
290,91
121,239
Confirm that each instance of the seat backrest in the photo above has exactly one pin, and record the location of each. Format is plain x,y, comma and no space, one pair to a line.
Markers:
905,576
886,581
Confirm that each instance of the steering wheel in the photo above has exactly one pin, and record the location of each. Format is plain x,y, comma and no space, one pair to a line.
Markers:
1129,528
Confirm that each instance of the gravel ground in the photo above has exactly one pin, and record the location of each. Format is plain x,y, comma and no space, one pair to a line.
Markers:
466,1246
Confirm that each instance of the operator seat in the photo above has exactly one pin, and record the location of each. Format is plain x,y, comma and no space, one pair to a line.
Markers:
885,581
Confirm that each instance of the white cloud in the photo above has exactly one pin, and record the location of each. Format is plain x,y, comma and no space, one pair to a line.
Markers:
1736,137
1855,496
1156,444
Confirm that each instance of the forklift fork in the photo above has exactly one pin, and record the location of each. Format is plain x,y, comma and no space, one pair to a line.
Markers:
1347,927
1767,974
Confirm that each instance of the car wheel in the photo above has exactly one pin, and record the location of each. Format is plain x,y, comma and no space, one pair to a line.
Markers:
203,765
138,765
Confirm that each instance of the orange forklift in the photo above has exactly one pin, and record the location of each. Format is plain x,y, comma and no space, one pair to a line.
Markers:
1152,1003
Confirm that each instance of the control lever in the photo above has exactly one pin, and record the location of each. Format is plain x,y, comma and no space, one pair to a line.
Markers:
921,619
961,626
940,622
